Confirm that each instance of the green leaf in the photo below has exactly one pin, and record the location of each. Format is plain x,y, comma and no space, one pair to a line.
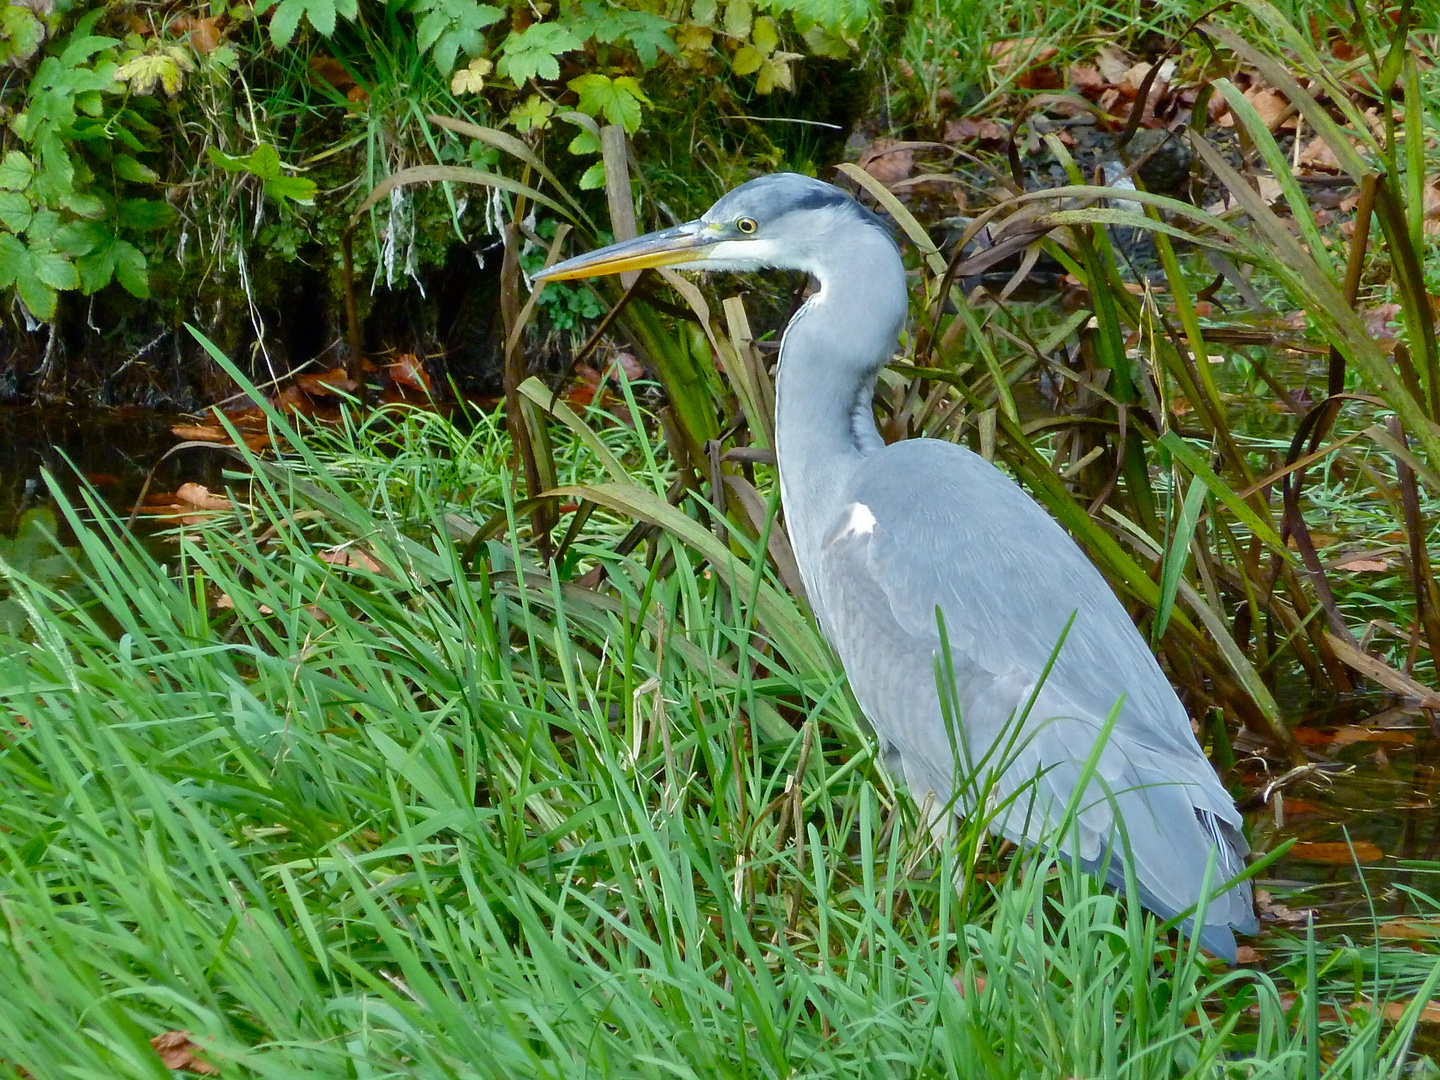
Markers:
534,112
22,31
54,269
618,99
295,188
764,35
321,14
78,238
14,259
37,295
593,177
15,171
144,215
647,34
703,12
15,211
127,168
452,27
585,142
286,21
83,204
131,270
738,16
96,269
532,53
747,60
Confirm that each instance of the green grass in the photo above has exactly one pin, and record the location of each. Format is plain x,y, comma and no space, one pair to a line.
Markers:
422,817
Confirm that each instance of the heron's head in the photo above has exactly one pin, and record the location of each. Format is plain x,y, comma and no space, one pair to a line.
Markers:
780,221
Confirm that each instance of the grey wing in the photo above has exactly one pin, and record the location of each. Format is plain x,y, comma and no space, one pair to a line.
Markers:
939,528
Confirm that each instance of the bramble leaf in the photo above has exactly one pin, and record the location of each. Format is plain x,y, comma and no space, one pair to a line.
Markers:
534,112
15,171
452,27
22,32
471,78
593,177
532,53
144,215
618,99
15,211
166,67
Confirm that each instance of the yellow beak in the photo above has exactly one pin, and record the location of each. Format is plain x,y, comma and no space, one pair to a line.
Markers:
668,247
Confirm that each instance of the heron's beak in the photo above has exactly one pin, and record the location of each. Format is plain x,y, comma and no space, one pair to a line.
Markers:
686,243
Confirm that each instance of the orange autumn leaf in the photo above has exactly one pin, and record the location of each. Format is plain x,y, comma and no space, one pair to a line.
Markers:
1351,733
1336,852
1409,929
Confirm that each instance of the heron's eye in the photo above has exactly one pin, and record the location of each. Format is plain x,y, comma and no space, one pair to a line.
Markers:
747,225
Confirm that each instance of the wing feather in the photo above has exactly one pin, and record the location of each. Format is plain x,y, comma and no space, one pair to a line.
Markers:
961,542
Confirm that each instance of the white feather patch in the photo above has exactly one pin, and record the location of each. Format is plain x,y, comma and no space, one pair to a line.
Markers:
859,522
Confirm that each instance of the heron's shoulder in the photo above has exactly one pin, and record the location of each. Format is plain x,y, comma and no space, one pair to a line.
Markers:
911,474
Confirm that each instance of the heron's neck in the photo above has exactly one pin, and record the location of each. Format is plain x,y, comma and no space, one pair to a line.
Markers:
832,351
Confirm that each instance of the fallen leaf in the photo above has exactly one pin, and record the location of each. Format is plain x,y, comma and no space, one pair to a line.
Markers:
1306,736
351,557
327,69
1360,564
178,1051
1021,54
1351,734
1274,911
1273,106
327,383
199,496
968,127
1086,79
1336,852
406,370
1247,954
888,160
1409,929
1112,62
1394,1010
1317,154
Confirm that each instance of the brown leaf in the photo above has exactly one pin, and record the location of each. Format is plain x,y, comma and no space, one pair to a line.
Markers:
888,160
326,69
1021,54
1273,106
1337,852
352,557
1247,954
1318,155
205,34
1357,564
200,432
1270,909
1394,1010
327,383
1351,734
968,127
1112,62
177,1051
406,370
1086,79
199,496
1409,929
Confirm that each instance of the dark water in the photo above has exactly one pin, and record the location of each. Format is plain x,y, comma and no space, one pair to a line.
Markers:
110,450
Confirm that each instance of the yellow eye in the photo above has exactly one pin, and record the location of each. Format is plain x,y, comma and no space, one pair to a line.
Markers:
747,225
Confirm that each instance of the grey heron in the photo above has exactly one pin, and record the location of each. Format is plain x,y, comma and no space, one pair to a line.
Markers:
886,536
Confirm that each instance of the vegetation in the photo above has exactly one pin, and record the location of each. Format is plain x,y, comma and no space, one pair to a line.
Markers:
501,745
